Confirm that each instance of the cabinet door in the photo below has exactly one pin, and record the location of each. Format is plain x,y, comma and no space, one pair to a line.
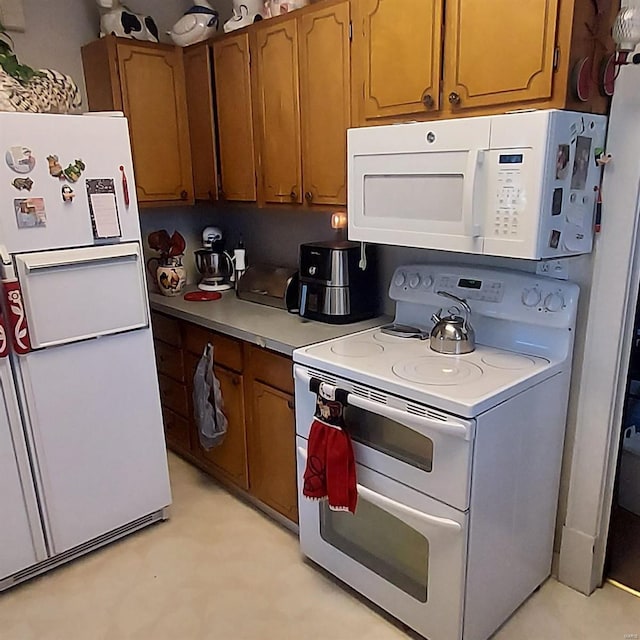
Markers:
202,133
396,57
230,457
325,103
235,117
501,56
154,101
271,442
276,50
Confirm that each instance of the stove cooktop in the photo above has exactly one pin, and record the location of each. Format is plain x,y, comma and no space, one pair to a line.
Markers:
465,385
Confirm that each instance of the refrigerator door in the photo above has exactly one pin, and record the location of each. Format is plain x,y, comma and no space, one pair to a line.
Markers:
21,538
95,422
76,294
36,147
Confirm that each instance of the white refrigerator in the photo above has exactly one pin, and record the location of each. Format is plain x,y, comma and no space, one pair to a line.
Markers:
82,452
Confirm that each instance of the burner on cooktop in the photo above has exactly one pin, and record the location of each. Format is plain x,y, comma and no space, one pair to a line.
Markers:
512,361
357,349
437,370
404,331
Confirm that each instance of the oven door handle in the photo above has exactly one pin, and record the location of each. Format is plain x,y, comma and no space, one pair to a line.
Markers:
407,514
421,424
418,423
413,517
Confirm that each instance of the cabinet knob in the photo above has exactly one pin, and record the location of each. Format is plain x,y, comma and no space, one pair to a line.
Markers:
454,98
291,404
308,196
183,194
427,101
293,195
235,381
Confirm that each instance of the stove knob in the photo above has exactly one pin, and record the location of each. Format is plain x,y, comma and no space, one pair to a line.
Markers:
414,280
531,297
400,279
554,302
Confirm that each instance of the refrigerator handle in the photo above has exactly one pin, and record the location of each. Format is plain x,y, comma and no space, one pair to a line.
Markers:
8,271
4,339
14,306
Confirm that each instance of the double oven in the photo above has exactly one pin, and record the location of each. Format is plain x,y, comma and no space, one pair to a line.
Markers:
457,457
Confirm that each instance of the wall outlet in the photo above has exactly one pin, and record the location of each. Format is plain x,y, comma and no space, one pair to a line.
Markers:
553,269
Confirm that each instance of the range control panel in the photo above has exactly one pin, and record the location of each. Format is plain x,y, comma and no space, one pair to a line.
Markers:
510,295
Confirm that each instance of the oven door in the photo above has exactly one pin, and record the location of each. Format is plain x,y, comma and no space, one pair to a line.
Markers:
401,549
418,446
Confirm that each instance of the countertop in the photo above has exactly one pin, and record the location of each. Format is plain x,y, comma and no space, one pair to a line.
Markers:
256,323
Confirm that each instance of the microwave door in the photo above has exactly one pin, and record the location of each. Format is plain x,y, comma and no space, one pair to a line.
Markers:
404,191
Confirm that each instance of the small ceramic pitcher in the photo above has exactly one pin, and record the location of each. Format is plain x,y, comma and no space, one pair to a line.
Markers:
170,275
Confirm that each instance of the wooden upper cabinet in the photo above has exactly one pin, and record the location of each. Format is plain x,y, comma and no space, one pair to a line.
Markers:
500,56
396,57
146,81
199,87
154,100
325,102
232,65
278,117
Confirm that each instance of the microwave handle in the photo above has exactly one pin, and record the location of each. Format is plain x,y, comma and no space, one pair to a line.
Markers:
472,195
414,518
421,424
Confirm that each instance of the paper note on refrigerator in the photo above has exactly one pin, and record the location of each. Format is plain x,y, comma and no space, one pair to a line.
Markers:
103,208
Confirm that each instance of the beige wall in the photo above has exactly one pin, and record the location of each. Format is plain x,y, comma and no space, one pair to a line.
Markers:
56,29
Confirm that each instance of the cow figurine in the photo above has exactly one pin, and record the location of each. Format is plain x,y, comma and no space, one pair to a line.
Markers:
117,19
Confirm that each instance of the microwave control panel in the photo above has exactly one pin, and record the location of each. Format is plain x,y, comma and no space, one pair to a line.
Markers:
510,196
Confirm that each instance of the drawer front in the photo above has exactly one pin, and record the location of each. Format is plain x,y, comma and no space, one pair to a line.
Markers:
272,369
173,395
176,430
227,351
166,329
169,361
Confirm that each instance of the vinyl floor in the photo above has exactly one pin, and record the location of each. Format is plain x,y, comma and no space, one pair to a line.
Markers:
219,569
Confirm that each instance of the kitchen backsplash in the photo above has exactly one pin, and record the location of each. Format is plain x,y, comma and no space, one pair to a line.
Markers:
273,236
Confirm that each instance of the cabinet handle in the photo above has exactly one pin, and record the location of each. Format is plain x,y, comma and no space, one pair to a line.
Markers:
183,194
427,101
454,98
308,196
291,404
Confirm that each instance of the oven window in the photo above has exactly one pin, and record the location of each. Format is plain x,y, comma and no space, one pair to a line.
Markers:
389,437
381,542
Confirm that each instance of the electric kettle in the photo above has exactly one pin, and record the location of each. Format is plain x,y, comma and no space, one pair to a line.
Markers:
453,334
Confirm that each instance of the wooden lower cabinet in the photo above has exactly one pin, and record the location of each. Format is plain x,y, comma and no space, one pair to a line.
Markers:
257,454
228,460
271,448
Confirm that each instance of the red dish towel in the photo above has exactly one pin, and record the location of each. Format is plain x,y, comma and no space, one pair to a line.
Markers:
331,470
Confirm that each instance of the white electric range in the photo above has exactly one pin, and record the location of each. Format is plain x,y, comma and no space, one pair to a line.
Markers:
458,457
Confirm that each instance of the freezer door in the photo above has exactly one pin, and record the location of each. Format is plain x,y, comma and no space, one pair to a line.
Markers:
76,294
39,148
94,418
21,538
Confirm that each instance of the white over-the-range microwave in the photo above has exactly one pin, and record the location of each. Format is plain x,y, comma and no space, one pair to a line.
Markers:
519,185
